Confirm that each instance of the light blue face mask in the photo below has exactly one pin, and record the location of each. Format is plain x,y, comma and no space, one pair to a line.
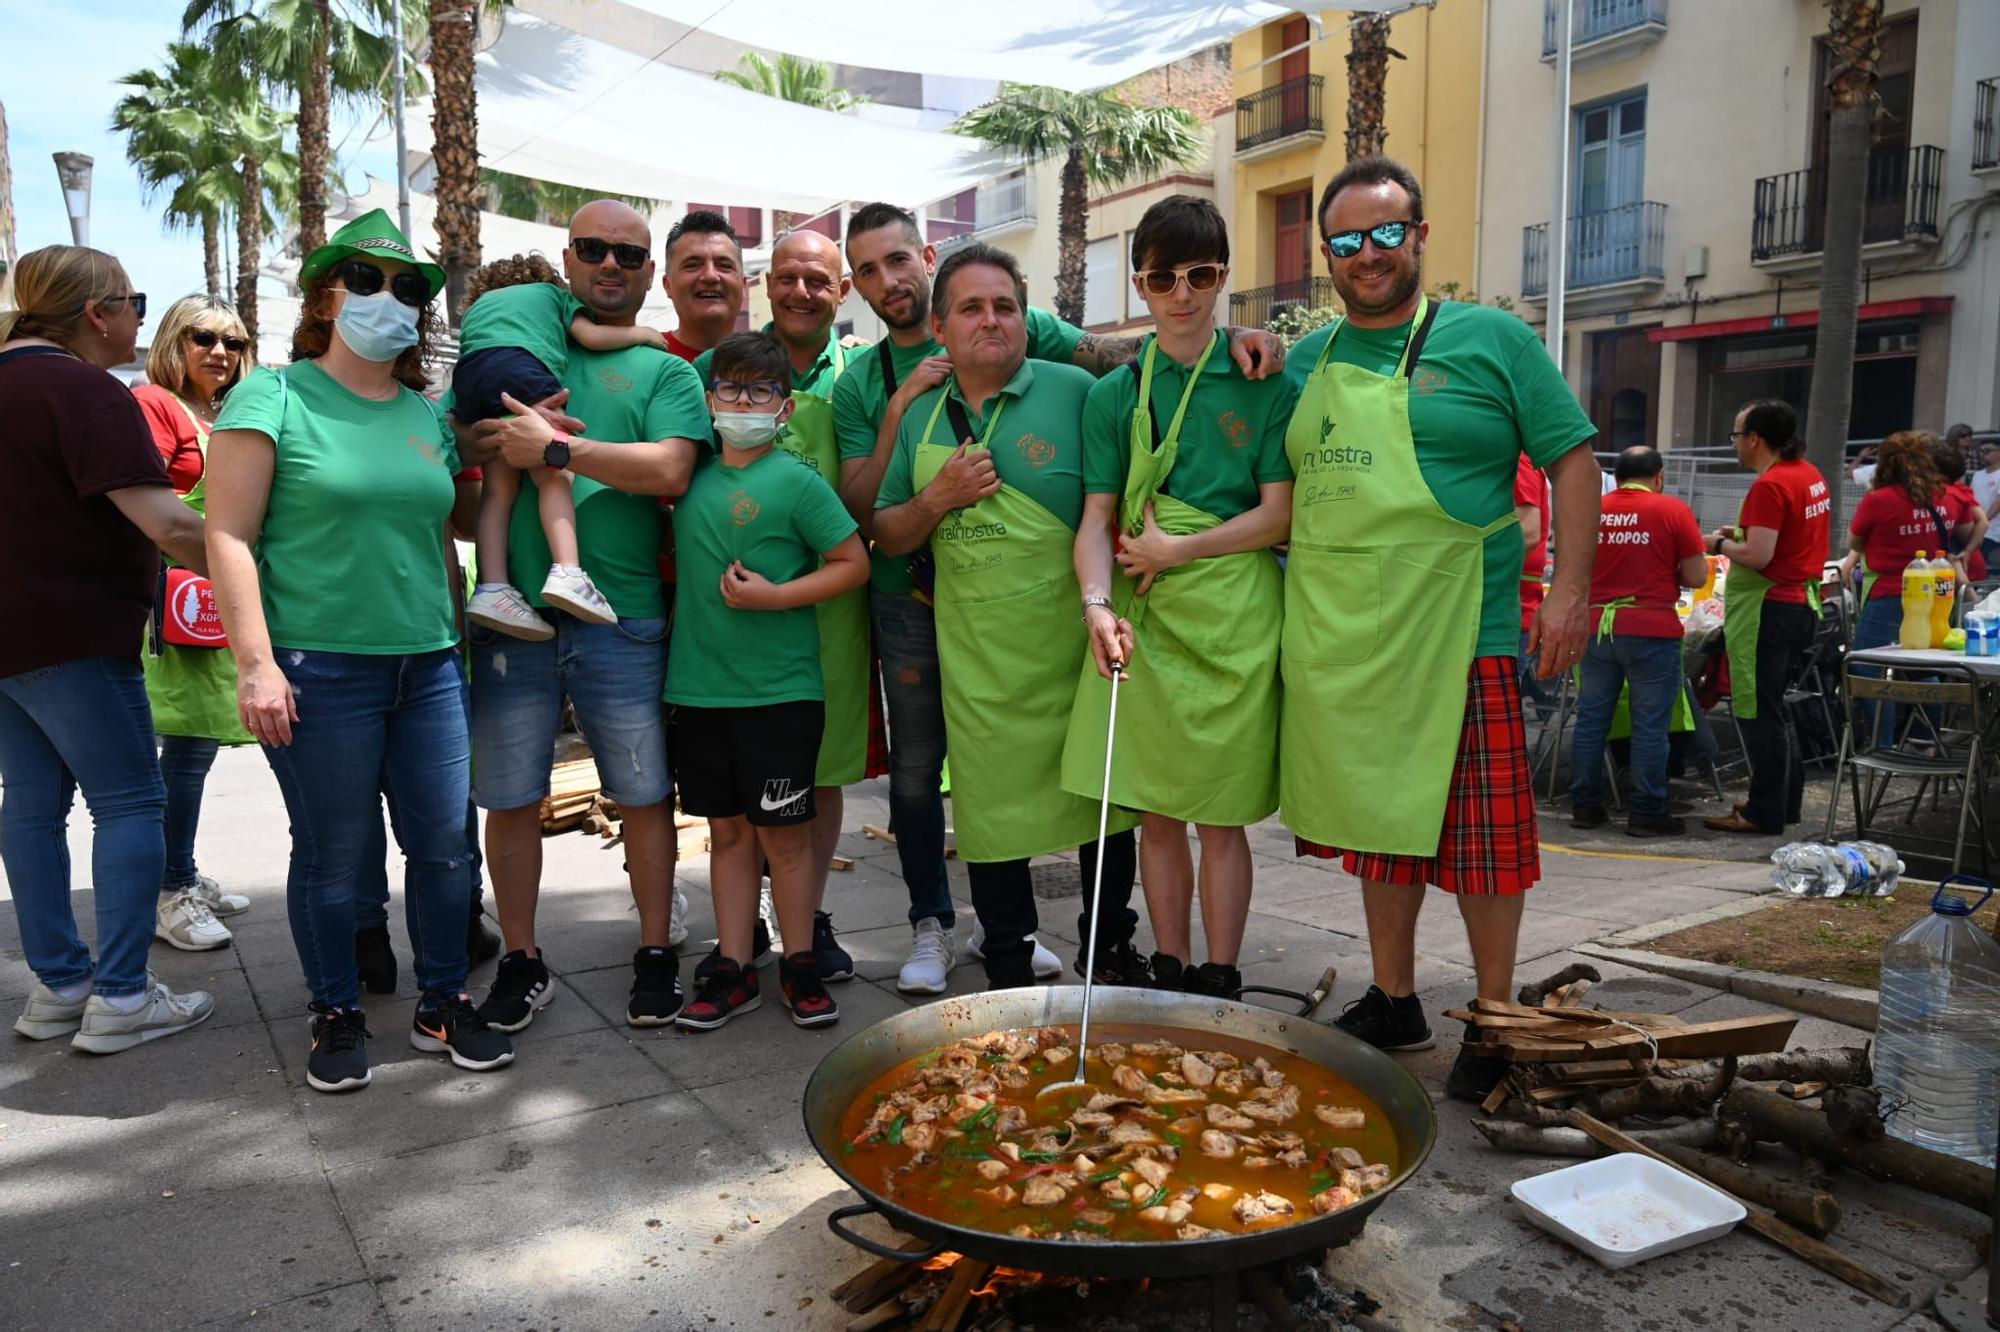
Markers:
378,327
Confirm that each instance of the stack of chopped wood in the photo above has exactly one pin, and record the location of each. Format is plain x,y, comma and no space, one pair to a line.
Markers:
576,799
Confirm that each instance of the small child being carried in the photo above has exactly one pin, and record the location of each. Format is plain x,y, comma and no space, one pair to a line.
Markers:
515,340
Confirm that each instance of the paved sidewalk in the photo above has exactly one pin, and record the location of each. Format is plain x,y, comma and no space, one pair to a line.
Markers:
618,1178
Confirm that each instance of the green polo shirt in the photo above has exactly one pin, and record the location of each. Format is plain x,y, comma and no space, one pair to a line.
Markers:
818,378
862,396
1484,392
778,516
1232,438
1037,443
634,395
534,316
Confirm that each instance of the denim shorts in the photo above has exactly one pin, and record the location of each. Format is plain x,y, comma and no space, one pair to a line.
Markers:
613,673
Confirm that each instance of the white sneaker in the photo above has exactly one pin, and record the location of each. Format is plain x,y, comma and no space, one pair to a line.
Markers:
107,1031
506,611
575,593
219,903
677,931
1047,965
930,960
49,1015
185,921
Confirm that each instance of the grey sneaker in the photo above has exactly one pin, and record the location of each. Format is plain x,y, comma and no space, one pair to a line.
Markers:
502,608
48,1015
930,960
219,903
107,1031
185,921
575,593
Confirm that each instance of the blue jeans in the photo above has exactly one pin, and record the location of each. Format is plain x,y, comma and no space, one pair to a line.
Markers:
371,898
1878,625
82,724
184,764
366,724
1652,668
906,641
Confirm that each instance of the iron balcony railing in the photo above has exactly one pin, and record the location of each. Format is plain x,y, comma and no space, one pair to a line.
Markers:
1257,307
1625,244
1901,203
1986,124
1592,20
1280,111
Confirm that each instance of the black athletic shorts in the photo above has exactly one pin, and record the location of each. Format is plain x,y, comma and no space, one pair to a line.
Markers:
753,763
478,381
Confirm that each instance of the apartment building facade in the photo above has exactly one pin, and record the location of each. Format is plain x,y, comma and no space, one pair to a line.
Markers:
1696,201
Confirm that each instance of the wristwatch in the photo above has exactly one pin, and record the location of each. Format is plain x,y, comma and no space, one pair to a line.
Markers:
1088,602
556,452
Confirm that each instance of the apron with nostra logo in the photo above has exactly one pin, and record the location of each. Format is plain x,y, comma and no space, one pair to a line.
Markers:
1382,603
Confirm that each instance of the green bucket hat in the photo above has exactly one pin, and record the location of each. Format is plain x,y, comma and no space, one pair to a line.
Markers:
372,235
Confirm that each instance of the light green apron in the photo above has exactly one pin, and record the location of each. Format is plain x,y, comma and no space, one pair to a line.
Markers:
193,690
1009,639
1201,698
845,652
1743,593
1607,622
1382,602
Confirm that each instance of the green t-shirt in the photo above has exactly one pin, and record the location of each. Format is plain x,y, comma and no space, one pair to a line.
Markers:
1037,443
862,396
534,316
351,555
634,395
818,378
777,516
1232,438
1483,393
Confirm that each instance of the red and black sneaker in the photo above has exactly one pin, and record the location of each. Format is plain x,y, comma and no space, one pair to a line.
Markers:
728,989
805,993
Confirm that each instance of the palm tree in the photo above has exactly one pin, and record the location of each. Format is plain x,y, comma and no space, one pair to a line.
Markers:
1368,53
1102,142
1854,41
455,144
544,201
6,216
791,79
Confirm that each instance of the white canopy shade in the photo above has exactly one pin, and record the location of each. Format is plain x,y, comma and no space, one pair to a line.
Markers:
558,106
1074,44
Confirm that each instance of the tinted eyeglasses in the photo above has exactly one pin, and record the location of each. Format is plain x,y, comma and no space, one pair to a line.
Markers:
206,338
1199,277
760,394
1387,236
364,279
137,300
592,251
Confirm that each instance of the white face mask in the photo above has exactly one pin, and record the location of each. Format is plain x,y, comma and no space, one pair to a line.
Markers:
378,327
747,430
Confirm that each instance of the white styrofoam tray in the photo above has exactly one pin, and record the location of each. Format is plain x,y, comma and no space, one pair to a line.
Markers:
1627,1208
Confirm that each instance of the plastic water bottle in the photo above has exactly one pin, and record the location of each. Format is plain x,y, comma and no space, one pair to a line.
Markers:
1937,1042
1919,590
1848,869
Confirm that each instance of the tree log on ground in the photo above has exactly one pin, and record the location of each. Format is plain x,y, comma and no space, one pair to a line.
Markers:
1535,1140
1847,1065
1534,995
1752,1115
1810,1209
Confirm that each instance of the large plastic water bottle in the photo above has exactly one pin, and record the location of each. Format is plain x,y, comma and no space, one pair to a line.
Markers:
1937,1042
1849,869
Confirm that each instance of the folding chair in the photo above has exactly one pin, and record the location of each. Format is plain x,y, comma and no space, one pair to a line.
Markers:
1947,754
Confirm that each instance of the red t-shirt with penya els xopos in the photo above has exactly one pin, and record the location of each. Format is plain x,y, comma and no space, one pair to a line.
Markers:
1792,500
1642,537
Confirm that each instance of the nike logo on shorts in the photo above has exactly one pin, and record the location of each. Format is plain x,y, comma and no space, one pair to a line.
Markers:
778,794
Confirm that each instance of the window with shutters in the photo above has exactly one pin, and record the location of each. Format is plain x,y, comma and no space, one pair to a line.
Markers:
1103,281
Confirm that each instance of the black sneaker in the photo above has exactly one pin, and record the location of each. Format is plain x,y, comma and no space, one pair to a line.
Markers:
457,1029
337,1051
375,959
726,991
760,953
521,989
804,992
656,988
1587,816
1473,1077
1213,980
1655,825
835,962
1117,964
482,945
1168,972
1385,1023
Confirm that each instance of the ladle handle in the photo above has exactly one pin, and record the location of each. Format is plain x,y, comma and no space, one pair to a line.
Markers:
852,1210
1097,880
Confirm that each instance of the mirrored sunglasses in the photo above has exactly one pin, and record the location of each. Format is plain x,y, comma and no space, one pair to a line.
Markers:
1387,236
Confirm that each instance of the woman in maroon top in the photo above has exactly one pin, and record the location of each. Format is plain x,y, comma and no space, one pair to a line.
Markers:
83,517
1949,454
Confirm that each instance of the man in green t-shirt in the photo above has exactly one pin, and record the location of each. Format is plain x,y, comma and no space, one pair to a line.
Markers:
892,267
651,405
1401,746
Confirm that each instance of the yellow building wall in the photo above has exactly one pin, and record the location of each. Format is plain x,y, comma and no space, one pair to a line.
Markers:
1432,114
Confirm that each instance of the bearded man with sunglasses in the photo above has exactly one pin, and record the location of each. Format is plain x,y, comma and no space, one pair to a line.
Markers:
644,411
1401,744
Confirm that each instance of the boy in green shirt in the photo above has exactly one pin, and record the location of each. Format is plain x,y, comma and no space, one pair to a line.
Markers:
760,539
515,342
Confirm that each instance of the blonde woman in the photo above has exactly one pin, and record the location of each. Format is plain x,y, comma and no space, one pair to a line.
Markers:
84,515
200,351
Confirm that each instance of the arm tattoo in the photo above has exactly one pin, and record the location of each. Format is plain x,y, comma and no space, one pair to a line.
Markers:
1101,355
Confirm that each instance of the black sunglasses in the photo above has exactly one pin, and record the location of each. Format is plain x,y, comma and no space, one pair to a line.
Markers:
364,279
137,299
206,338
592,251
1387,236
